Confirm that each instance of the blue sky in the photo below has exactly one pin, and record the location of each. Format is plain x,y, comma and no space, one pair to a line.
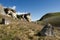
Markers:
37,8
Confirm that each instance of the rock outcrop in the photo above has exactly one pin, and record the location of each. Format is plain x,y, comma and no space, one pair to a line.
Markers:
8,12
26,17
2,10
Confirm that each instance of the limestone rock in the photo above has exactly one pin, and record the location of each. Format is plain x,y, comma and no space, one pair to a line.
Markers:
2,10
48,30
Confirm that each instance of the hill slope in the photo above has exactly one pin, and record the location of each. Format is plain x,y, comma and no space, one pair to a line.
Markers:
53,18
18,30
48,15
21,30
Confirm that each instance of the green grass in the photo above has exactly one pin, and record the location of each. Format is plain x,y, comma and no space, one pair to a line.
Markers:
52,18
48,15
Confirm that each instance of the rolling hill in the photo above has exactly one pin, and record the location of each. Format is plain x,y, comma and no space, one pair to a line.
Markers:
52,18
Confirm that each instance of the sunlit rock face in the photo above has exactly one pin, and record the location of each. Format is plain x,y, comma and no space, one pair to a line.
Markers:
5,21
26,17
2,10
10,12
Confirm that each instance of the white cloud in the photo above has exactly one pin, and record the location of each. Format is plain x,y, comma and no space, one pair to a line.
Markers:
13,7
21,13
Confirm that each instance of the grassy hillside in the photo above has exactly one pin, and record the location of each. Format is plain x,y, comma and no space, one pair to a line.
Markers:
22,30
18,30
48,15
53,18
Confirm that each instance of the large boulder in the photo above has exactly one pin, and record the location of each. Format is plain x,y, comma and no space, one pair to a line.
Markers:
47,30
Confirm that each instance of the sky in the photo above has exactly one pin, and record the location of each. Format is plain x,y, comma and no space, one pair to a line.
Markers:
37,8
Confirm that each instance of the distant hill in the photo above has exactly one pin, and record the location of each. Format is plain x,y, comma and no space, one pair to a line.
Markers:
53,18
